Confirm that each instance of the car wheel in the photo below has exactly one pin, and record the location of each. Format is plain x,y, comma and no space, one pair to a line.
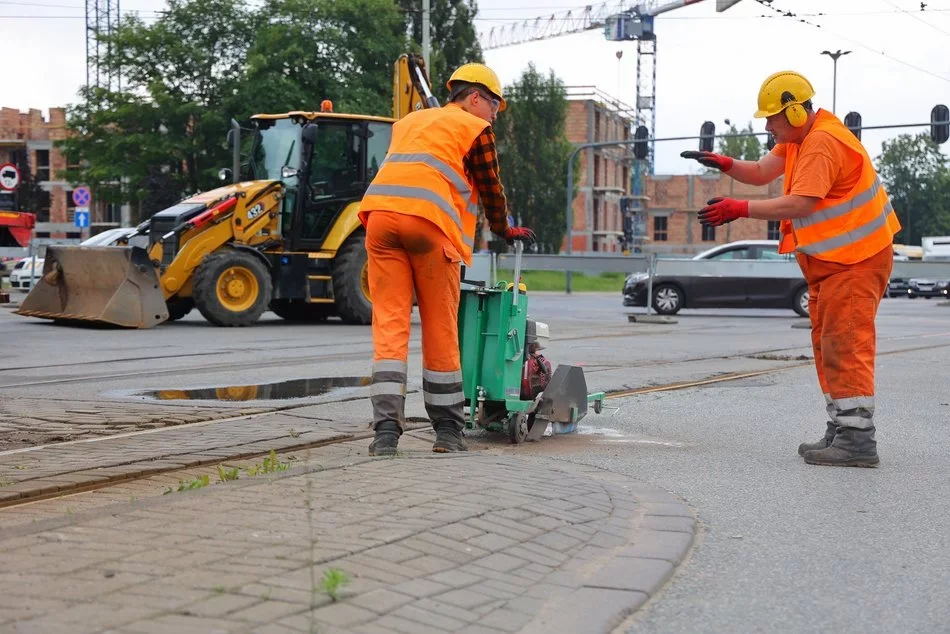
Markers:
800,305
667,299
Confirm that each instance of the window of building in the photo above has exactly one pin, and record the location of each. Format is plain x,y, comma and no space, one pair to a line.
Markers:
709,233
597,207
42,211
773,232
42,165
660,229
596,171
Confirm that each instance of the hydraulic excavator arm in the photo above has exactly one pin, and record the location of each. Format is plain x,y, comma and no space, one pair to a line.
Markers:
411,87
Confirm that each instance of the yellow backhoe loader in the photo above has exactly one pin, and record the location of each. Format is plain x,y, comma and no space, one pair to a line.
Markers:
285,237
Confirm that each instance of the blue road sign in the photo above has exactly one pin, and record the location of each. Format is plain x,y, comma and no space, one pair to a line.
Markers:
82,196
81,218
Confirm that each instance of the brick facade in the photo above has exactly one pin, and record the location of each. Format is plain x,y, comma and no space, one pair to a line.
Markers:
603,176
34,135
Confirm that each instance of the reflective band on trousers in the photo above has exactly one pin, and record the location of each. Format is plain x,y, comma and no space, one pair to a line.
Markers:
420,193
840,209
442,388
850,237
436,163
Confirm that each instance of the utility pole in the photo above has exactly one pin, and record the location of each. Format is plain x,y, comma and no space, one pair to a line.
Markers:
426,36
834,90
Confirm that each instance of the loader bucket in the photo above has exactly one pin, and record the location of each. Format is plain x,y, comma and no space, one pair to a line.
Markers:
97,285
564,400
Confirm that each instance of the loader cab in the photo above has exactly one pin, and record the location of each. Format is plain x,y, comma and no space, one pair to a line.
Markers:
345,154
326,162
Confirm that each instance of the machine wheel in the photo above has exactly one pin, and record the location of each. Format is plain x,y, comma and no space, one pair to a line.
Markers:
667,299
300,310
800,303
232,288
178,307
598,406
518,427
351,281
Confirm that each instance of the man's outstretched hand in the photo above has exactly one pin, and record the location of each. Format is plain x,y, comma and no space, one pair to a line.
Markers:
719,211
717,161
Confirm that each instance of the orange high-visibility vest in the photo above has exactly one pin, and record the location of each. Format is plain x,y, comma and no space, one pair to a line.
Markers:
424,174
844,230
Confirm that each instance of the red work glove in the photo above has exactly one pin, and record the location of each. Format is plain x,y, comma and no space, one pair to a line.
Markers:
519,233
709,159
719,211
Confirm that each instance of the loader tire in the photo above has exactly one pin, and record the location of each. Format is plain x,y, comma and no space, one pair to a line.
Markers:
232,288
351,281
178,307
300,310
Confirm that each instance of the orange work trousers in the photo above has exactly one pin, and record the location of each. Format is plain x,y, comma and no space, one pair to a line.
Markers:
842,301
409,254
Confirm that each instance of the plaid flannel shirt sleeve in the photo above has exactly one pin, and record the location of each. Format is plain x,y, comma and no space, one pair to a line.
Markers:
482,165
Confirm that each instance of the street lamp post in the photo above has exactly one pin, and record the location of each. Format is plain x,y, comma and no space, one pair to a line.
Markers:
834,90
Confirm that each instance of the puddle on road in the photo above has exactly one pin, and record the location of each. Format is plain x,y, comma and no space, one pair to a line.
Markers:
294,388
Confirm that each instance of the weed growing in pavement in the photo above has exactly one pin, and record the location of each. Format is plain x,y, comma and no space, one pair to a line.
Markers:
201,481
219,589
294,433
333,580
270,465
20,467
6,483
228,474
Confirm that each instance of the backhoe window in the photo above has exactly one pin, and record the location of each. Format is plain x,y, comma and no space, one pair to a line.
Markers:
278,146
380,134
335,170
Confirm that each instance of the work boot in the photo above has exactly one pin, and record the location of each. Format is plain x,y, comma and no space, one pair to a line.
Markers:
821,444
851,447
387,437
448,437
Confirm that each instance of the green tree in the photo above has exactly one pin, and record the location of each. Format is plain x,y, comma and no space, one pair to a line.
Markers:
747,148
453,35
533,155
916,177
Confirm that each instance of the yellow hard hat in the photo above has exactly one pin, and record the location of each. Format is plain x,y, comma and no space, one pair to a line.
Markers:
481,75
781,90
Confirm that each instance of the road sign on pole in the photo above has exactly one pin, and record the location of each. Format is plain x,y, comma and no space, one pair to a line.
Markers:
81,218
9,177
82,197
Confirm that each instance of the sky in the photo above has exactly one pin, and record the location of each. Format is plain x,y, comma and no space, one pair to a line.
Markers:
709,65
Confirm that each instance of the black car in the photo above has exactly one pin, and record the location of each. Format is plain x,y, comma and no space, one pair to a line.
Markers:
671,294
923,287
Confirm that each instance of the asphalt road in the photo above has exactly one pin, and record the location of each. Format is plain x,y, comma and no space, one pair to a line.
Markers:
784,547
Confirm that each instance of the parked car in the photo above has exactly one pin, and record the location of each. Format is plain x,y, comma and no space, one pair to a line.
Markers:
897,287
925,287
671,294
22,274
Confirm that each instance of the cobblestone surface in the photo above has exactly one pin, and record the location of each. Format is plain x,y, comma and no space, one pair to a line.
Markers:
466,543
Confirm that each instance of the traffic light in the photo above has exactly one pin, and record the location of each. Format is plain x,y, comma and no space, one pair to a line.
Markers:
939,128
707,134
853,122
640,149
770,142
626,205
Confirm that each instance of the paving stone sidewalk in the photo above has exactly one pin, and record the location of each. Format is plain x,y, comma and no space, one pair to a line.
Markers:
474,543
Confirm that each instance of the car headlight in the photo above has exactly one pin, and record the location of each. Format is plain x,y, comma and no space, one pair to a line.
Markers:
633,278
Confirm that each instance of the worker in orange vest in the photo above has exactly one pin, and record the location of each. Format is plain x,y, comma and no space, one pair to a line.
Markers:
420,214
837,218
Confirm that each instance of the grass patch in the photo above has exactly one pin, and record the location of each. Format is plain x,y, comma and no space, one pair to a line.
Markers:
557,281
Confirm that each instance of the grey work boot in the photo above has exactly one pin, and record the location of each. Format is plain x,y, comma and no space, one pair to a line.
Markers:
448,437
821,444
852,447
387,437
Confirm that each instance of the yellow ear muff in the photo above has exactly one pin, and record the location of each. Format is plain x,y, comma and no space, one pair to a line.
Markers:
797,115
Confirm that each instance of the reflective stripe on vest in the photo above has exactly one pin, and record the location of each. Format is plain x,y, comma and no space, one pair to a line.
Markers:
840,209
421,193
852,236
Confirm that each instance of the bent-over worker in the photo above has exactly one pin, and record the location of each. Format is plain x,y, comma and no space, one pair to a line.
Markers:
420,214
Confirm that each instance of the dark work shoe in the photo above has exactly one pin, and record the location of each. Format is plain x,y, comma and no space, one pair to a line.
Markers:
386,440
448,438
821,444
851,448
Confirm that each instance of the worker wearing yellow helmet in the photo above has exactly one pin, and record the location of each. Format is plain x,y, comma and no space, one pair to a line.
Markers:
420,214
838,220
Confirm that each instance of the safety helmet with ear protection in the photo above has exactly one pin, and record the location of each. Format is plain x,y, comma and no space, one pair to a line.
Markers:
785,90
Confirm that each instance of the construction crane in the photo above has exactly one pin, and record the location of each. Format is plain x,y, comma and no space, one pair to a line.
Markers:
620,23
